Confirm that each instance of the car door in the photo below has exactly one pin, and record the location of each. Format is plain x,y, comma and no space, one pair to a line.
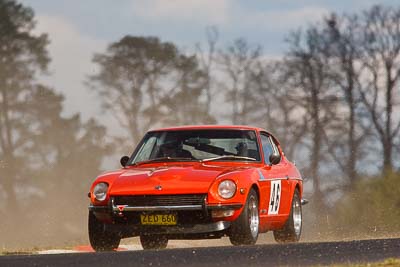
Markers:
273,180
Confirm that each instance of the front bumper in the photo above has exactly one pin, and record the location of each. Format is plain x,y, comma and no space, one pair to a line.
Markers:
193,220
120,209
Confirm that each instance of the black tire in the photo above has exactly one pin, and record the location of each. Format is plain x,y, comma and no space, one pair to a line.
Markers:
244,231
153,241
99,238
291,232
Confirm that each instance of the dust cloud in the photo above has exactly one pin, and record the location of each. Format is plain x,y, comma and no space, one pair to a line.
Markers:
50,226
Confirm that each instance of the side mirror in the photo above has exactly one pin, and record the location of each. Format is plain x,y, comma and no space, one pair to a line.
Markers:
124,160
274,158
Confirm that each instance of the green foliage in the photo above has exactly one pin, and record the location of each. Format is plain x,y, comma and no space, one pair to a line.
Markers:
373,208
145,83
22,56
47,160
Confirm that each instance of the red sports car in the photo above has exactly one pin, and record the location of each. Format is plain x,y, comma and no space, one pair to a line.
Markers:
196,182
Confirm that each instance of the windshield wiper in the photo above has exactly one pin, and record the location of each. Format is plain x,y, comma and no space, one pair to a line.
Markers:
161,160
229,157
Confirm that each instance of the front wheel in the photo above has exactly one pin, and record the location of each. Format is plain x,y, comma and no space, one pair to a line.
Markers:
292,230
153,241
100,239
244,231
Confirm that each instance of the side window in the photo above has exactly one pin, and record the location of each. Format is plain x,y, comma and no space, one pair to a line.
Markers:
267,148
274,147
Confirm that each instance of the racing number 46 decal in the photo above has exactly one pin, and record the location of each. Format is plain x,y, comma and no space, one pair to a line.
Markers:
275,197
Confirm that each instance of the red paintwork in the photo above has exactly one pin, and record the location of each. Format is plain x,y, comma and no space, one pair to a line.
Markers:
197,177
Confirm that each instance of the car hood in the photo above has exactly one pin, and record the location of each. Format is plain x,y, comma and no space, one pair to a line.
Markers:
169,179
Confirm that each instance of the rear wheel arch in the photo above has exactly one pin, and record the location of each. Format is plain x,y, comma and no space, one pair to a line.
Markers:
294,187
297,187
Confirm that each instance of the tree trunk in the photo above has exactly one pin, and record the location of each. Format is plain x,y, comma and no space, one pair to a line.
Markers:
8,181
316,150
352,143
387,145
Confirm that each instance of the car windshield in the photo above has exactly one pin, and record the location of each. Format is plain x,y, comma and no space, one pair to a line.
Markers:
186,145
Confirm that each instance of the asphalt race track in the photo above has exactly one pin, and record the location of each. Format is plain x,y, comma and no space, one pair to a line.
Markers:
301,254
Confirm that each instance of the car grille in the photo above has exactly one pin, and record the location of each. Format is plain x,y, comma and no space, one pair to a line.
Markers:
160,200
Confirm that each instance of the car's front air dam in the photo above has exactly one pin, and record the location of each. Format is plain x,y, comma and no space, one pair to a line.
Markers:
194,230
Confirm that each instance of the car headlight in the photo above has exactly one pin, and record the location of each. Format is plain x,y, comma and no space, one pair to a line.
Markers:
100,191
227,189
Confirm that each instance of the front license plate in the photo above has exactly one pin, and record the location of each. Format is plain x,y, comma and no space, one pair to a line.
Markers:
158,219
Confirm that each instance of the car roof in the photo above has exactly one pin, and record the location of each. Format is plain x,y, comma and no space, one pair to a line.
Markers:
206,127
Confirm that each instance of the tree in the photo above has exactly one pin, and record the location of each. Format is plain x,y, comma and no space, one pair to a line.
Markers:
60,158
344,143
238,63
184,102
43,154
138,74
308,73
66,156
275,110
380,50
207,61
22,56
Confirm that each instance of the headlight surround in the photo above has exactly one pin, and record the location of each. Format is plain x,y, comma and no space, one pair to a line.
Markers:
227,189
100,191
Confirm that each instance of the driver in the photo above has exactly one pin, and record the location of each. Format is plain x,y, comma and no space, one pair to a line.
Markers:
168,150
174,150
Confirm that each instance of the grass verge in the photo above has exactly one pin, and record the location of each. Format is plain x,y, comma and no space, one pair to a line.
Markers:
387,263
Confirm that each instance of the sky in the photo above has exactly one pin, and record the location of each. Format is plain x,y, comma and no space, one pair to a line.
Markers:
77,29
